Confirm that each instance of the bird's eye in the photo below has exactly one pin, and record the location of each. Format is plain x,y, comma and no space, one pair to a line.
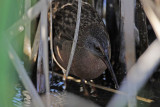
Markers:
89,45
97,48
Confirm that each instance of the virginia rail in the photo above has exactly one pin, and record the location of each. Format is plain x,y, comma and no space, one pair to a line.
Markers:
93,51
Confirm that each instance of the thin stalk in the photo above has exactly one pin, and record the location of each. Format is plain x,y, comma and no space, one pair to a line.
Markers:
44,38
75,38
51,33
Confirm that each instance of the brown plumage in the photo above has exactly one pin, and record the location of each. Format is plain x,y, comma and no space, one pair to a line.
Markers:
93,47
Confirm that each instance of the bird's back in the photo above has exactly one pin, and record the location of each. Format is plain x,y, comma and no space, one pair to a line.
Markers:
65,15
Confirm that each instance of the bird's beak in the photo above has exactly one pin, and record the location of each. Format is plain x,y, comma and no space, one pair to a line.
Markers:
108,64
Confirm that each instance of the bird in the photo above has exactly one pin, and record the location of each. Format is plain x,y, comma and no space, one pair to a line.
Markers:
93,50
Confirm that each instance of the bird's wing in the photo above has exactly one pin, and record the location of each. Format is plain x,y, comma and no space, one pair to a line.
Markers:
65,16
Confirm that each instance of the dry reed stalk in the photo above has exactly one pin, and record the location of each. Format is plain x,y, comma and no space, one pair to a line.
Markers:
154,18
44,38
75,38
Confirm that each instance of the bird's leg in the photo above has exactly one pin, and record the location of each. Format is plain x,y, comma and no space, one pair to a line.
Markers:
85,91
93,89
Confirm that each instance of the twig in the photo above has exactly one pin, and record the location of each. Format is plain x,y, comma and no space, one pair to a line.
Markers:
138,74
51,34
75,38
54,58
51,42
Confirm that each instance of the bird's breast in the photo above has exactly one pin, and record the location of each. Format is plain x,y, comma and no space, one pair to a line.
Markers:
85,64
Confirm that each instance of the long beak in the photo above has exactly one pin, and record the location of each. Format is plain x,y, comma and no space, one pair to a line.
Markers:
108,64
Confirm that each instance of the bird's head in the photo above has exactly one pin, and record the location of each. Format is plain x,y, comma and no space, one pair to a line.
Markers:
98,43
